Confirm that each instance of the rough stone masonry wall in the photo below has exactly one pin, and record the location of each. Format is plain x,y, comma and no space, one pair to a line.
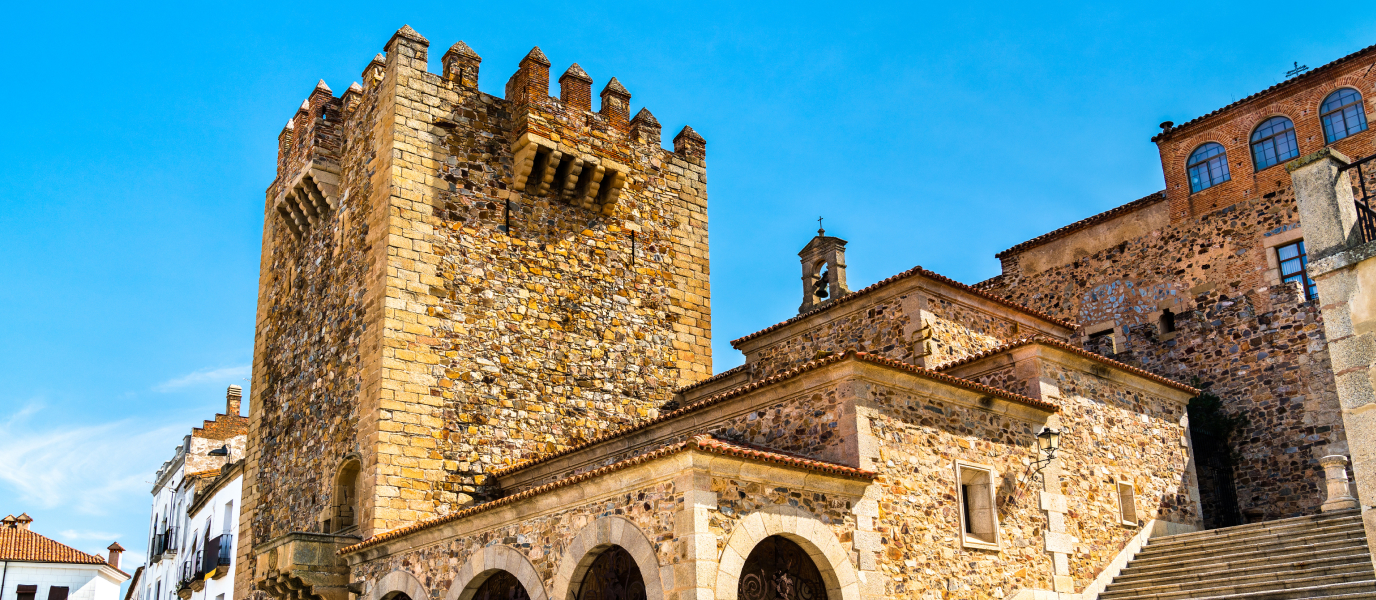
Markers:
501,345
1278,364
921,438
894,328
1262,348
315,298
542,538
807,424
1117,433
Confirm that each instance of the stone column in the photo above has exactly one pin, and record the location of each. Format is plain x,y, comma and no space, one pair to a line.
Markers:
1339,493
1345,274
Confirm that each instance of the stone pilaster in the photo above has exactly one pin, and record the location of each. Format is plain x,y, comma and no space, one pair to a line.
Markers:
695,574
1345,273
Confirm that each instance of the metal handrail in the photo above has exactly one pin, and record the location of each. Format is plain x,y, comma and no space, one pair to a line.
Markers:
1366,217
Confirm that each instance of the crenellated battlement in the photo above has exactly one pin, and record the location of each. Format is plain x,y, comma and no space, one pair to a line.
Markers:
454,281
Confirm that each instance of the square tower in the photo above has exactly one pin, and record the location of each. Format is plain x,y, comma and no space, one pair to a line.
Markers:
452,282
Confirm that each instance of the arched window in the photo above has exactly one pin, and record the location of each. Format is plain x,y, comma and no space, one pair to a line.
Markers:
1273,142
1208,167
778,569
343,513
1342,114
613,575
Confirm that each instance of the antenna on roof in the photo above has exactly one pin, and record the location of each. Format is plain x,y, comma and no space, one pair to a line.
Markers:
1297,70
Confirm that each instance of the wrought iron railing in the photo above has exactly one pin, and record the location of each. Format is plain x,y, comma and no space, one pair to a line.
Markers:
1363,196
226,553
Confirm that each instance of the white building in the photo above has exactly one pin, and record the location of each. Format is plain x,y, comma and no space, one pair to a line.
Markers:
197,486
34,567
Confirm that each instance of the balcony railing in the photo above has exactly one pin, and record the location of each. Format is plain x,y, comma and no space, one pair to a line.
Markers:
1366,217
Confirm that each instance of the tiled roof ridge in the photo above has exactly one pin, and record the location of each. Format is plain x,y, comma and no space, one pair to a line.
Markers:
1107,215
746,388
1037,339
26,545
918,270
717,377
704,442
1275,88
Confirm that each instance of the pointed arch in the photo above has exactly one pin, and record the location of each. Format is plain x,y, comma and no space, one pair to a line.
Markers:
797,526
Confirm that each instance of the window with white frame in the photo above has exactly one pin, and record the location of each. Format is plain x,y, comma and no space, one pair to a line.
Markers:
979,521
1127,503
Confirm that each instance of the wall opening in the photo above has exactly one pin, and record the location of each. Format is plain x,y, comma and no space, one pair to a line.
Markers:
978,521
1166,324
1127,503
502,585
613,575
779,568
343,511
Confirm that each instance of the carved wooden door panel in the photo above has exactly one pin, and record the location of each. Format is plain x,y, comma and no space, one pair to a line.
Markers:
613,576
778,569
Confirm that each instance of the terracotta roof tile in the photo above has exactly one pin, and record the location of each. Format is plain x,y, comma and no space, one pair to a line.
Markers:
1081,224
704,442
25,545
1288,83
717,377
1073,350
776,378
904,275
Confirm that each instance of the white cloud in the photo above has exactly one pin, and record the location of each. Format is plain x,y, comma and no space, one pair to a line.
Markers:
87,468
221,375
86,534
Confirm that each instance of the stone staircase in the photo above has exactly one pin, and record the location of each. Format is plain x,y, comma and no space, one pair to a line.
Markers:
1321,556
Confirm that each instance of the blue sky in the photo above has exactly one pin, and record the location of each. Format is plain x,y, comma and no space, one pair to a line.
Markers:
139,141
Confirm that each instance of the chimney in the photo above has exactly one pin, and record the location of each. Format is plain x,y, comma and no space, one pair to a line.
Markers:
7,522
234,397
23,521
115,549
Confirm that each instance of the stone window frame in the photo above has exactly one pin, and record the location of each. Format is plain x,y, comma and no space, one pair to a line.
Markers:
1270,245
1124,517
970,540
1118,335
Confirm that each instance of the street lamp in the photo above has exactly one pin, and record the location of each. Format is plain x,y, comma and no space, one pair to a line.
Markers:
1049,441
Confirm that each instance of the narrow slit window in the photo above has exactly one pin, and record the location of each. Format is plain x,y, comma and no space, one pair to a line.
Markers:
978,519
1127,503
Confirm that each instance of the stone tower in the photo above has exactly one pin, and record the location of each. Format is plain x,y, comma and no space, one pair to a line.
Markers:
824,271
452,282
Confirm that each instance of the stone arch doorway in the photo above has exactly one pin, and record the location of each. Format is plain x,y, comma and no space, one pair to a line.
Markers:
613,575
778,569
502,585
397,585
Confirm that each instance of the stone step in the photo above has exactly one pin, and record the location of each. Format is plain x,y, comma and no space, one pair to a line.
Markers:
1280,578
1338,591
1274,550
1304,521
1337,531
1356,556
1316,528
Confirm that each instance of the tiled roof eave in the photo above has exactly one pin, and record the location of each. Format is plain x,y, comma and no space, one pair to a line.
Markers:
915,271
1143,373
1275,89
703,442
746,388
1089,221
